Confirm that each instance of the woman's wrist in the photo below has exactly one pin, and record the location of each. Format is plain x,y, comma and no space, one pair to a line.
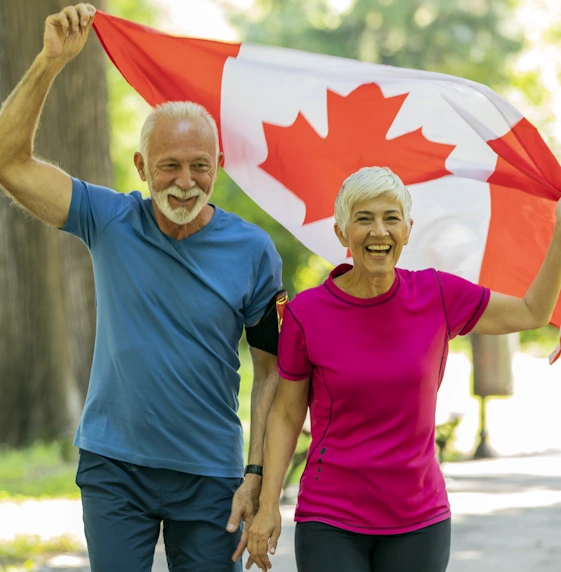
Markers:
269,503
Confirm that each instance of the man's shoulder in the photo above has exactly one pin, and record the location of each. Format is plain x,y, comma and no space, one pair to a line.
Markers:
240,228
103,193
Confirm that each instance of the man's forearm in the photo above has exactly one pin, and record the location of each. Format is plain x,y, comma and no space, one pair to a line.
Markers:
262,397
19,114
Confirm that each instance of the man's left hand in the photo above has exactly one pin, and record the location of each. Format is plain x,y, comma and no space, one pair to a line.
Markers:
244,507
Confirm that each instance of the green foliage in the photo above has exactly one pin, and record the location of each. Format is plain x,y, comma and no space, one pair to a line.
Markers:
24,551
540,342
39,471
461,345
246,374
472,39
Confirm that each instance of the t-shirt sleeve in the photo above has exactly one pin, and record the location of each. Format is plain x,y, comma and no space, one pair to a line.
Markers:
91,209
292,361
268,281
463,301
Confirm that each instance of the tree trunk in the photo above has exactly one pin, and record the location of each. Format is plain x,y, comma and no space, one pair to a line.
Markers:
47,321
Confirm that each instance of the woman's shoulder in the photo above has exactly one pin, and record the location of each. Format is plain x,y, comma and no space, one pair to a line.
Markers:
305,298
418,276
437,281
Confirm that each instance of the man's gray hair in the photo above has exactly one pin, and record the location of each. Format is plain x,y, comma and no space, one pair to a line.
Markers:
175,110
367,183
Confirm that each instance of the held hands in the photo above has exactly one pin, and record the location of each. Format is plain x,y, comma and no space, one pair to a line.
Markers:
264,534
244,507
67,32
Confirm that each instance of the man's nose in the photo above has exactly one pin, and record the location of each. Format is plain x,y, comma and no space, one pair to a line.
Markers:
184,179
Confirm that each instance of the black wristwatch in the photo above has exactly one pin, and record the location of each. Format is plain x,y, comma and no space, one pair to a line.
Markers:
254,470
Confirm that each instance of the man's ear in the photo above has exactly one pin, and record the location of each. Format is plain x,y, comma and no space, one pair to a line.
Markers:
409,231
140,165
342,238
219,163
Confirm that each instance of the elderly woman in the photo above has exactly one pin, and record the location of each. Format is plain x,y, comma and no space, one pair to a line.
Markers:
366,352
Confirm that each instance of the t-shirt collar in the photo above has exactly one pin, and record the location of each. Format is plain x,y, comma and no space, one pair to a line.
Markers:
342,295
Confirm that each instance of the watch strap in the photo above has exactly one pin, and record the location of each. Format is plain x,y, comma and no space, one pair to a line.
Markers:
254,470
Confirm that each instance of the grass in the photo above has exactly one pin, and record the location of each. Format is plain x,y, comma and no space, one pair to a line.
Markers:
39,471
23,552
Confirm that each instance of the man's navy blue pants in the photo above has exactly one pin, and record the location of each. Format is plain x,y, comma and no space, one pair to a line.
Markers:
125,504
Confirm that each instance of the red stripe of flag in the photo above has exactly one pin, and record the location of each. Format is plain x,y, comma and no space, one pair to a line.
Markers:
166,68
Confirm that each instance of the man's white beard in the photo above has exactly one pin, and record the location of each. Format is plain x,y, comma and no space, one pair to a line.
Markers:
179,215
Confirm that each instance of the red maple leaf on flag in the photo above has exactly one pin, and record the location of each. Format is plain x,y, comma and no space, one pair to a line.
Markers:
314,167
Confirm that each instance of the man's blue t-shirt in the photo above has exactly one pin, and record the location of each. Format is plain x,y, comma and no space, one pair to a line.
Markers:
170,313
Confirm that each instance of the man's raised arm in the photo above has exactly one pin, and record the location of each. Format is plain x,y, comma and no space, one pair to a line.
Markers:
42,189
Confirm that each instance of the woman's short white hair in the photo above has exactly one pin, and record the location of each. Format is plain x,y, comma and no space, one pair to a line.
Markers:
367,183
175,110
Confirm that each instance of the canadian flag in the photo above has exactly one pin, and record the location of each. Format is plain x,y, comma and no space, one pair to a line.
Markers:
294,125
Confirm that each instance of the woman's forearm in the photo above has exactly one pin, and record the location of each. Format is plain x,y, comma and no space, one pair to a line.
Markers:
543,293
284,424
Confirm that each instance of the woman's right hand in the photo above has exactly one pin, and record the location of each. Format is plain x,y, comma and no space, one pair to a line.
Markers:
264,533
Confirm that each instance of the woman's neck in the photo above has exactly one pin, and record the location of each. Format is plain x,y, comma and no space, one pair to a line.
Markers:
360,285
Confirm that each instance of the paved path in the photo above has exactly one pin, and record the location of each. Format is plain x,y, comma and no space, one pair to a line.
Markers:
507,518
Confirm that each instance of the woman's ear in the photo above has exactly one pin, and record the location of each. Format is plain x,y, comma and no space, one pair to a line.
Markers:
409,231
342,238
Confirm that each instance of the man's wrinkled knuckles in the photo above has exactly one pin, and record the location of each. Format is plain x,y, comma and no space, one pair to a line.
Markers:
58,19
84,13
68,19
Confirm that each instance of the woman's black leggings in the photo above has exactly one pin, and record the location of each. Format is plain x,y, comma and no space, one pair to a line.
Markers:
324,548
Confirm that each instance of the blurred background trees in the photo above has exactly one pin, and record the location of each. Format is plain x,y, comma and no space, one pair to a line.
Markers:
47,311
472,39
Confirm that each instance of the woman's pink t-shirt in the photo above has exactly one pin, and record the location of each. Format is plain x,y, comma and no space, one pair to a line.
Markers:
375,366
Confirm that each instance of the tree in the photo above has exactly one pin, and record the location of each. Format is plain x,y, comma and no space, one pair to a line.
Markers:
46,286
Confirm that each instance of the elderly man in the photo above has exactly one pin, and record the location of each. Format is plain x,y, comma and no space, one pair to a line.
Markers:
176,279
